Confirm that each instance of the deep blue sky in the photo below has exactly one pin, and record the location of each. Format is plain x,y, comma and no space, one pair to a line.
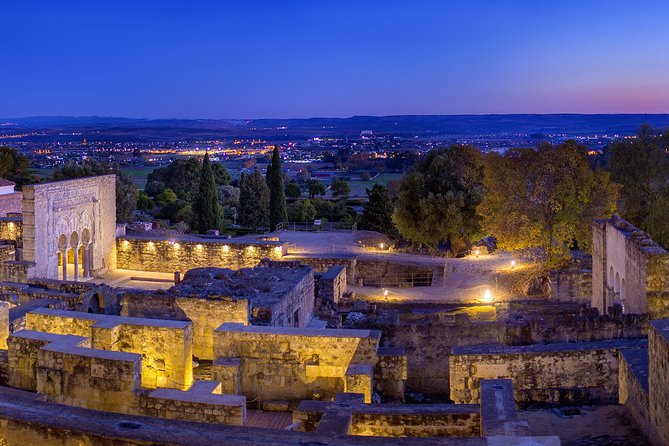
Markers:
252,59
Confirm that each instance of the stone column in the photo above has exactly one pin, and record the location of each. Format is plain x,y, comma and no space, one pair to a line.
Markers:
86,260
76,262
64,254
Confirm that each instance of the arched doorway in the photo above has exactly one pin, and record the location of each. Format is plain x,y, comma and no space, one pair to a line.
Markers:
95,305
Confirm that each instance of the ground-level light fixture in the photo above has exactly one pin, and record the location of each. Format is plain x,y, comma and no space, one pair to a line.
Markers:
513,263
487,296
381,246
477,252
385,292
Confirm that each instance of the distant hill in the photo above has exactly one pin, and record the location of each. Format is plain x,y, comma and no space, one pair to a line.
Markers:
407,125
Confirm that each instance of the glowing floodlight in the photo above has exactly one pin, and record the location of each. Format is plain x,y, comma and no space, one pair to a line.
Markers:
226,248
487,296
513,263
385,292
381,246
477,252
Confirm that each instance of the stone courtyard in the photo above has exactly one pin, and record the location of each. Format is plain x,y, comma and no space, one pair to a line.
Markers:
112,337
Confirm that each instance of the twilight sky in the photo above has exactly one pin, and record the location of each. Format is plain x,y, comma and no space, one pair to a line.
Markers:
285,58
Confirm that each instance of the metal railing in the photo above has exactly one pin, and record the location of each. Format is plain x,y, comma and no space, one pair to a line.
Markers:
399,280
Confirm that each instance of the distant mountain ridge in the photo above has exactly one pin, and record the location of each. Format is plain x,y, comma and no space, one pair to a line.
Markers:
420,125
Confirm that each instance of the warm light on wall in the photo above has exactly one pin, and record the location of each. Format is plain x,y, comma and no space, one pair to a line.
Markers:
152,245
125,243
278,250
11,225
226,248
177,246
251,248
199,247
487,296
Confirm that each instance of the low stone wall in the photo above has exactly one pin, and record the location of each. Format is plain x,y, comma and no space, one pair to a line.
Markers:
11,229
633,385
16,271
322,264
165,346
168,256
77,296
26,420
565,373
294,363
66,371
571,286
7,253
205,314
196,404
418,420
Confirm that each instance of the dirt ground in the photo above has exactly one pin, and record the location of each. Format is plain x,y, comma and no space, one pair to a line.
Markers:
586,426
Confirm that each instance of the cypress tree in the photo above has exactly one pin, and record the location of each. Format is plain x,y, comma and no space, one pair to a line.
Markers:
253,200
277,197
205,206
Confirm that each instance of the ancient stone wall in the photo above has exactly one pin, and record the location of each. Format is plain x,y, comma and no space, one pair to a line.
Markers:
294,363
577,373
628,267
571,286
168,256
294,309
428,342
331,284
4,325
424,420
322,264
658,381
205,314
11,228
65,370
70,215
16,271
633,385
166,346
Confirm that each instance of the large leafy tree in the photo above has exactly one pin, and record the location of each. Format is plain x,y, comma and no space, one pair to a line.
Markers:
437,200
15,167
315,187
641,166
545,199
206,209
126,191
253,200
378,212
340,188
183,177
277,196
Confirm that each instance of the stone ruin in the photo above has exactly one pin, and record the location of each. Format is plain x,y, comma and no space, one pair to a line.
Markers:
242,337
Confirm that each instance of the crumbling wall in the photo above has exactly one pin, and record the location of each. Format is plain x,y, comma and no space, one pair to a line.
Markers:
11,229
294,363
658,382
628,267
633,385
65,370
572,286
323,263
206,314
567,373
428,342
294,309
168,256
166,346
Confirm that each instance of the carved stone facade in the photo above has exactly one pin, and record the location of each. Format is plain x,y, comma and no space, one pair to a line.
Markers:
69,227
